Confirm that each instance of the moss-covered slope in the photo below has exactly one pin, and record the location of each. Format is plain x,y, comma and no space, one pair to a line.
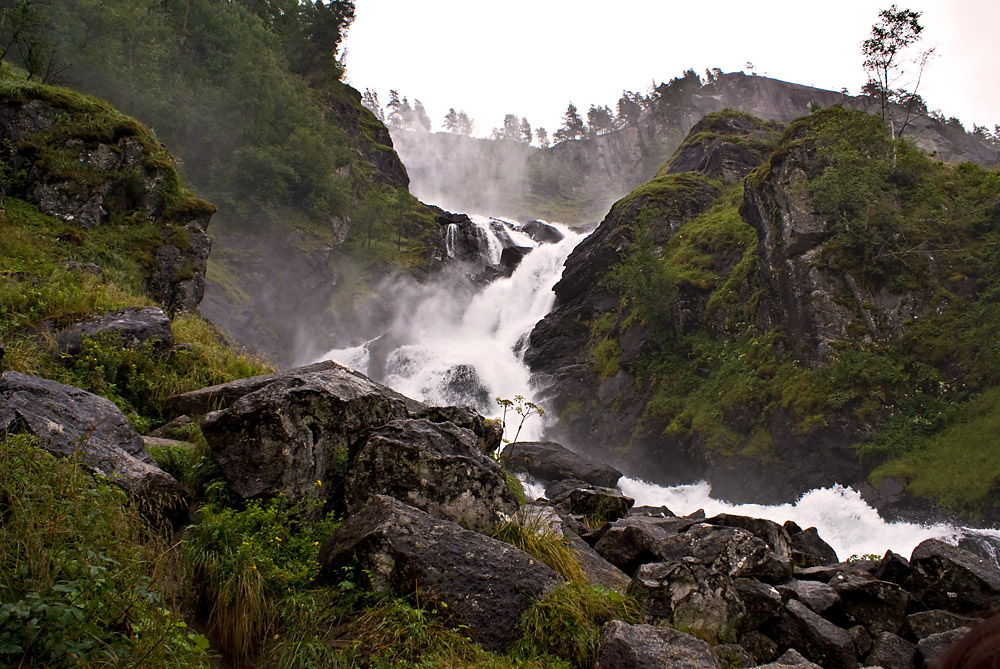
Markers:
834,311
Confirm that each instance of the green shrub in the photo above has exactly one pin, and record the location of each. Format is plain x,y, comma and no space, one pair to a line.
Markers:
84,580
528,530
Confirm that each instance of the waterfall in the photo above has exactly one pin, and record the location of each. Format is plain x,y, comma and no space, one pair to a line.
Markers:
451,345
448,349
449,239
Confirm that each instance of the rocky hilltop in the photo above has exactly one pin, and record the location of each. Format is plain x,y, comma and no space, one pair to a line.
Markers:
779,310
577,181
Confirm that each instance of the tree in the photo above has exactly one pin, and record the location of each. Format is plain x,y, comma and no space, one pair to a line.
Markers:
369,100
629,108
573,127
894,32
511,128
600,119
525,130
542,137
421,121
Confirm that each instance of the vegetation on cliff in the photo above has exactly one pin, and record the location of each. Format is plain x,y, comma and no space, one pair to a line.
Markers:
731,346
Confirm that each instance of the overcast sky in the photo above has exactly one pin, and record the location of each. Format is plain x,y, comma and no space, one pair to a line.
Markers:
532,57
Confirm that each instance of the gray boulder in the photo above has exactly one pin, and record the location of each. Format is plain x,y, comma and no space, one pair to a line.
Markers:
946,577
895,569
923,624
819,597
815,637
930,648
688,595
625,646
595,502
542,232
774,535
549,461
134,327
892,652
436,467
489,431
633,541
761,603
791,658
70,421
727,550
296,429
809,550
879,606
399,550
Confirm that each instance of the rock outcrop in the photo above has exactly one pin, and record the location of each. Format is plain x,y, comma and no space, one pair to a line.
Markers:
131,328
399,550
68,421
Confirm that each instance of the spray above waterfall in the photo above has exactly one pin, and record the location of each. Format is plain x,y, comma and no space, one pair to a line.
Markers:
453,343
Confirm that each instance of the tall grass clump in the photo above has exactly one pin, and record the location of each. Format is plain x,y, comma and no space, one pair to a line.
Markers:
530,531
84,579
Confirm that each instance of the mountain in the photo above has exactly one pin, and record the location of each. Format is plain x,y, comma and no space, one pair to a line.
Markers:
577,181
783,308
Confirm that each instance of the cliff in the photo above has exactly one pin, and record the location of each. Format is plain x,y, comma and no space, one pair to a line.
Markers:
577,181
783,317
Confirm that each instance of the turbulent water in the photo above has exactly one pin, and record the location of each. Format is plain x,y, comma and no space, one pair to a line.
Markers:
466,349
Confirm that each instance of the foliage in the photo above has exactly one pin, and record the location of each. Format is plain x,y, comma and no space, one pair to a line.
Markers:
567,622
530,530
246,561
522,408
82,574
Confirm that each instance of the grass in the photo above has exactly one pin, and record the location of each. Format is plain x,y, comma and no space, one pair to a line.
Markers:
82,573
529,531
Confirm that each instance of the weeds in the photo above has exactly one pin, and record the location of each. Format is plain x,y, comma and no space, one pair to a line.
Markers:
529,530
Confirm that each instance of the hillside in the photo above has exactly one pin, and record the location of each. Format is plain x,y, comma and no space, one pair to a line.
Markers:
577,181
827,319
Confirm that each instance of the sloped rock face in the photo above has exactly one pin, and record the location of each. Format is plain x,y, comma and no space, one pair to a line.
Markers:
302,427
133,327
624,646
435,467
70,421
401,551
549,461
121,173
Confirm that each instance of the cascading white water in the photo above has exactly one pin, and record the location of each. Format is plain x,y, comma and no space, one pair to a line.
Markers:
474,343
449,239
467,352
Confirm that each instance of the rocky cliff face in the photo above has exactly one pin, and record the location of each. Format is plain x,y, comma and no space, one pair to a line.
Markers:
88,165
577,181
743,316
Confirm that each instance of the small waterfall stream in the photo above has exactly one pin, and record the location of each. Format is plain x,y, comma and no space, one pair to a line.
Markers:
449,347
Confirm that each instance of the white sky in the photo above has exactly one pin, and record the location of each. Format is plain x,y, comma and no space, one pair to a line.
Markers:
532,57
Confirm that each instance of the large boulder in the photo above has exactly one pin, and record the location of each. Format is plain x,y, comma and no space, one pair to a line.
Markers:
399,550
625,646
892,652
597,503
298,428
880,606
727,550
549,461
131,327
634,541
688,595
947,577
70,421
436,467
818,639
809,550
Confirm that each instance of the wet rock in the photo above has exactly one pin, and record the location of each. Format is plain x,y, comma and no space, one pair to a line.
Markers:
809,550
930,648
761,603
727,550
862,640
892,652
549,461
819,597
760,646
946,577
791,658
838,570
296,428
436,467
490,432
67,421
131,328
595,502
598,570
542,232
511,257
923,624
462,385
630,542
816,638
774,535
895,569
625,646
878,605
687,594
402,551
